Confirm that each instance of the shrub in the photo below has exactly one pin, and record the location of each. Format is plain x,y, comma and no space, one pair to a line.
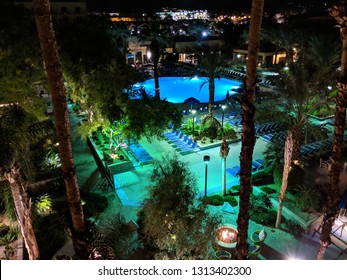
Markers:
76,108
50,234
232,201
234,190
4,230
294,228
266,217
209,127
7,235
6,202
260,203
261,210
268,190
229,132
307,196
93,203
295,178
263,177
218,200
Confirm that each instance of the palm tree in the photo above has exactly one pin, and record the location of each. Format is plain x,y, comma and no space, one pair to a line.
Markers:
224,152
339,12
303,89
248,132
61,119
288,151
17,130
158,38
285,39
210,63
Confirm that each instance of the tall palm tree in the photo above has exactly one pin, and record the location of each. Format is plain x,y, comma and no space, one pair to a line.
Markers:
304,86
287,40
18,130
224,152
288,151
248,131
339,12
158,37
61,119
298,101
210,62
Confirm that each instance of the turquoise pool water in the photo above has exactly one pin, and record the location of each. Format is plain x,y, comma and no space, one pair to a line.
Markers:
177,89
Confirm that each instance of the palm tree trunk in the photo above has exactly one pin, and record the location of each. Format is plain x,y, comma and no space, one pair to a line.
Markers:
156,80
224,152
330,211
224,177
211,88
61,117
248,131
288,151
297,140
23,212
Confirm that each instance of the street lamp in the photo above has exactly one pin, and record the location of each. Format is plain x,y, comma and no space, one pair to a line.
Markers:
193,112
223,108
206,160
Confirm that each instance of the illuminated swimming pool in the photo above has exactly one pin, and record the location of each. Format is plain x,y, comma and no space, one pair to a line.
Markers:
178,89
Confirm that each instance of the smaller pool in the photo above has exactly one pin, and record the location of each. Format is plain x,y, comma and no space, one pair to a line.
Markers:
178,89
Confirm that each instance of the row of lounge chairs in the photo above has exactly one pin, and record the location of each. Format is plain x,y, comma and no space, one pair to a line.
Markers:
257,165
265,83
236,122
234,73
181,142
274,136
139,153
267,127
201,109
315,148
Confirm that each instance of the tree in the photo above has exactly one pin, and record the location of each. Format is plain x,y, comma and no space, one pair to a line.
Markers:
21,69
174,220
210,62
61,121
339,12
288,151
224,152
158,37
112,239
248,131
18,130
100,80
299,99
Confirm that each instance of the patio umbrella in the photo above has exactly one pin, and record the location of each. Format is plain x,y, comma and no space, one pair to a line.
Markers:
237,89
191,101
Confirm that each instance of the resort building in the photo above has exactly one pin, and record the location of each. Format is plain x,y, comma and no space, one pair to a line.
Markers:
61,9
267,56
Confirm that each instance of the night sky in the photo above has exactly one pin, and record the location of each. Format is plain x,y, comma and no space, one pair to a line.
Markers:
211,5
